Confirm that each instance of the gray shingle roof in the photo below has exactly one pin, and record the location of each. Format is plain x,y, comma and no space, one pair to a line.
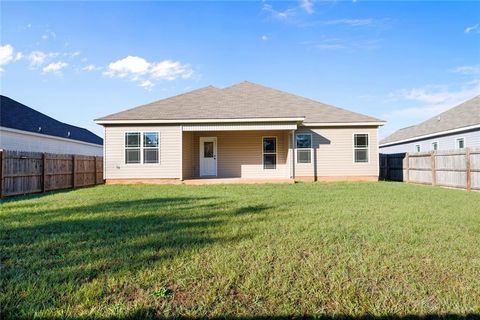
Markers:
242,100
463,115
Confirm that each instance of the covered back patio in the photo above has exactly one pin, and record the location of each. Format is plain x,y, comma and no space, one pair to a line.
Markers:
237,152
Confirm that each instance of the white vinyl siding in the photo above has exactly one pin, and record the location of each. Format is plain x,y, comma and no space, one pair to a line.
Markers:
170,154
19,140
449,142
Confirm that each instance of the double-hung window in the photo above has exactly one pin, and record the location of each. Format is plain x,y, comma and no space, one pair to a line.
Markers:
132,147
269,153
141,147
150,147
304,148
435,146
360,147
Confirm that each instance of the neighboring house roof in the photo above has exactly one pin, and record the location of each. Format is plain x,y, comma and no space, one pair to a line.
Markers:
17,116
244,100
462,116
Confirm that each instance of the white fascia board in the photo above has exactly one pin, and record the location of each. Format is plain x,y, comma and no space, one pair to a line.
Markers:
179,121
431,135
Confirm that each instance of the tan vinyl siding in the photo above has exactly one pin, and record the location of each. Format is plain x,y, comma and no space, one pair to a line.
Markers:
170,155
187,155
333,153
239,154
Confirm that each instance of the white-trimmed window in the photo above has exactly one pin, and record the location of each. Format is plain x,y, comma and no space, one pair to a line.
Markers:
435,145
360,147
460,143
269,152
150,147
142,147
133,147
417,148
304,147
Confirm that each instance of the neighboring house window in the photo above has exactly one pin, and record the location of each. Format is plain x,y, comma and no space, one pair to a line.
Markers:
417,148
136,142
460,143
304,148
360,146
435,146
269,153
132,147
150,147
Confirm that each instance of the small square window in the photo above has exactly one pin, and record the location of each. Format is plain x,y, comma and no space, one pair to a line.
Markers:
460,143
435,146
417,148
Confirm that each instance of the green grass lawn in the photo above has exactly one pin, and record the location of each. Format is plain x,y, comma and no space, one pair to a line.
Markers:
244,250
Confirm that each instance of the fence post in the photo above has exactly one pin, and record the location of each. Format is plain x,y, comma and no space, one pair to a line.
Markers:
95,165
468,169
74,171
44,172
2,172
407,167
434,171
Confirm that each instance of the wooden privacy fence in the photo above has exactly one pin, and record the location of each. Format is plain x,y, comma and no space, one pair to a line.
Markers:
454,168
30,172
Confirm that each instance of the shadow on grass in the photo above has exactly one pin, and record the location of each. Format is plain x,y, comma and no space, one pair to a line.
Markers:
75,244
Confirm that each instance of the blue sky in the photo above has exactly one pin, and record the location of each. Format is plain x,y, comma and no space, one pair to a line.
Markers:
399,61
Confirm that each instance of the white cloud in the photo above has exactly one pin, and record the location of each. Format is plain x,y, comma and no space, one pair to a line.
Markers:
37,58
55,67
6,54
90,67
419,104
128,66
432,100
144,72
473,29
170,70
264,38
474,69
278,14
307,5
147,84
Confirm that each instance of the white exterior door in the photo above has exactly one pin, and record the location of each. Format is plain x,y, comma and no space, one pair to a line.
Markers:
208,156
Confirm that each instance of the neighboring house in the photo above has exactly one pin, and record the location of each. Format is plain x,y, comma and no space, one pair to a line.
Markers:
243,131
456,128
25,129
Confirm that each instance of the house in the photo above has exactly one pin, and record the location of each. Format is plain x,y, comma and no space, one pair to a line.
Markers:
25,129
456,128
245,131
